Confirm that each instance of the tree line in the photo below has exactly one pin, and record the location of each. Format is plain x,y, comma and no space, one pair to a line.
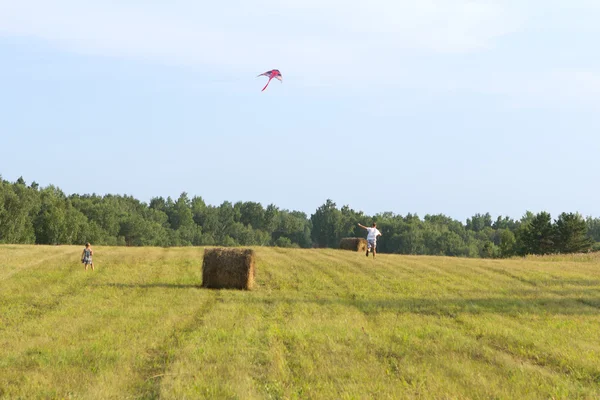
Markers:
31,214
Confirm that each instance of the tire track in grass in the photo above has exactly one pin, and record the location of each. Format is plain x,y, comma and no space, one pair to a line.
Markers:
467,273
304,265
491,275
334,279
427,282
276,364
380,278
67,298
440,281
39,346
161,357
271,359
282,346
381,275
521,279
463,273
543,288
551,289
492,351
589,303
345,259
533,355
343,267
536,291
368,301
383,260
46,296
280,365
8,271
307,264
32,357
70,284
277,369
526,352
418,270
281,272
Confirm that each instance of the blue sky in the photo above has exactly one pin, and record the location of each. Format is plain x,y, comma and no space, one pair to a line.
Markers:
453,106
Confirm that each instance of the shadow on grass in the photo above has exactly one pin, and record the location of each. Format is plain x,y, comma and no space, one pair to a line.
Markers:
149,285
577,282
452,307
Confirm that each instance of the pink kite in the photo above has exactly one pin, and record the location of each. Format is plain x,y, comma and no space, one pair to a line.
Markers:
274,73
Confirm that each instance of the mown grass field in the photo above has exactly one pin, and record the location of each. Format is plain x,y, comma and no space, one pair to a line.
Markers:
320,324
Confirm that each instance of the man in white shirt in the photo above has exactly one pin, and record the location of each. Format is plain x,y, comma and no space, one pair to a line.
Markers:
372,235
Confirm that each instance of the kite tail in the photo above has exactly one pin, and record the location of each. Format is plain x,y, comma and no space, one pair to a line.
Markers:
266,84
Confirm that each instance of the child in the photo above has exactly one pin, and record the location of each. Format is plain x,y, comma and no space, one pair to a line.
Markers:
86,256
372,235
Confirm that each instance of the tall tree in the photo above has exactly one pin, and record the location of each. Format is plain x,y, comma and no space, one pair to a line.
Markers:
326,222
593,228
507,243
537,235
504,223
478,222
571,234
252,214
20,205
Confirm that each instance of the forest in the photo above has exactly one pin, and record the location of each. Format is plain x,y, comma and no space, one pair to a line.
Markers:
46,215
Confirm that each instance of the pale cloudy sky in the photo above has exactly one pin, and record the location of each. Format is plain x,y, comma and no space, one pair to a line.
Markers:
435,106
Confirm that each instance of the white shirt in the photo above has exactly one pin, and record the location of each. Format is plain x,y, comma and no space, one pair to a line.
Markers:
373,233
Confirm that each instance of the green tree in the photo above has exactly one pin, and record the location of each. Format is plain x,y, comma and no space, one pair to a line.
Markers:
571,234
478,222
327,223
489,250
198,209
158,203
19,206
593,228
507,243
138,231
182,220
284,242
51,223
252,214
181,213
537,235
450,244
271,215
411,241
504,223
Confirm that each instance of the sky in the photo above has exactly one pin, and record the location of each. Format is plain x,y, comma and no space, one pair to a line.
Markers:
437,106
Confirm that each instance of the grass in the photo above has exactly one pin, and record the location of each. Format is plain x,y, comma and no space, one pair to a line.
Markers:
321,324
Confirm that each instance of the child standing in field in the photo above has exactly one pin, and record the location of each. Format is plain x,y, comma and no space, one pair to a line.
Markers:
86,256
372,235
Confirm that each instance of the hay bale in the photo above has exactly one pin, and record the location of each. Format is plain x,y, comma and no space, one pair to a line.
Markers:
354,244
228,268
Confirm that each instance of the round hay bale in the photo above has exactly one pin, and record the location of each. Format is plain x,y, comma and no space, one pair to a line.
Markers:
353,244
228,268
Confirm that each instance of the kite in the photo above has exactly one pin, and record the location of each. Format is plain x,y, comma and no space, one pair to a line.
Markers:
274,73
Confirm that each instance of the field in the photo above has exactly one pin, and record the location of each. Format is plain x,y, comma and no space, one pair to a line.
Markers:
320,324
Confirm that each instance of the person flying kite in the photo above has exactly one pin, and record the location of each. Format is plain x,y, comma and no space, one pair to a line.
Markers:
274,73
372,235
